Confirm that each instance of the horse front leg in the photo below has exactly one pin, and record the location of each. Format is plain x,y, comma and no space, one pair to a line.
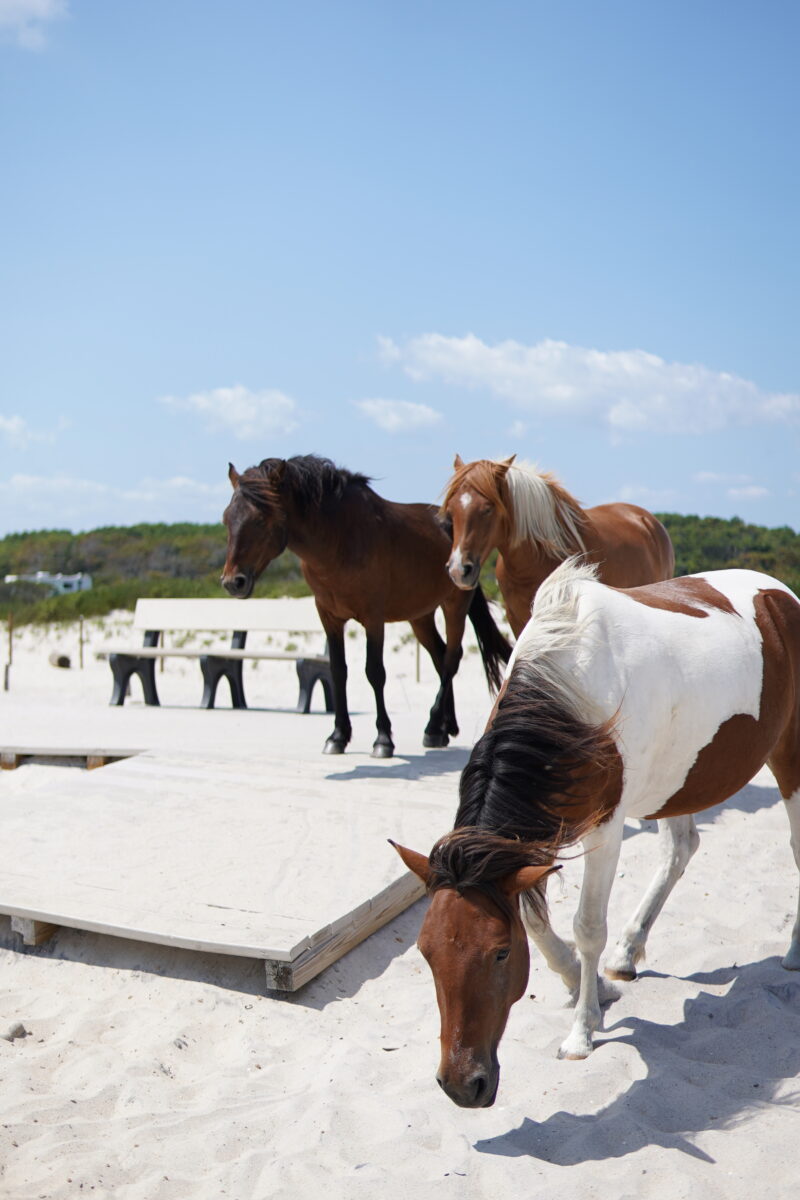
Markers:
383,746
342,729
559,955
602,847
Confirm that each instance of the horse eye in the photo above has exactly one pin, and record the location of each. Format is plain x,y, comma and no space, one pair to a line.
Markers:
503,954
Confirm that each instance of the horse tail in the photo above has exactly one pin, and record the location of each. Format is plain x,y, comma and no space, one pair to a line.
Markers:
495,650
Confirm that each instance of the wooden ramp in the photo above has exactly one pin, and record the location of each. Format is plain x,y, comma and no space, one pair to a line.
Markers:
286,861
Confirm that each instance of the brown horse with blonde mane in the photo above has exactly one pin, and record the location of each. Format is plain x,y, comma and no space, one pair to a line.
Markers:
366,559
535,524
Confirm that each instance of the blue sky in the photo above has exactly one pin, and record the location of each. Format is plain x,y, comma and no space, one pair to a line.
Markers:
390,232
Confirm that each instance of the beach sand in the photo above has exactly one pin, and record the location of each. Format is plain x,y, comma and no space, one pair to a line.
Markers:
140,1072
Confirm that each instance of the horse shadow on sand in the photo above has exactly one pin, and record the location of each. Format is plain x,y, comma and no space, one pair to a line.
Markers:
431,764
727,1059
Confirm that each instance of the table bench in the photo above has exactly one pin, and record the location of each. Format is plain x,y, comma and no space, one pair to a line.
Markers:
155,617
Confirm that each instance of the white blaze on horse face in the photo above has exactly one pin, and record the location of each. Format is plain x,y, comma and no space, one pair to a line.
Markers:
465,499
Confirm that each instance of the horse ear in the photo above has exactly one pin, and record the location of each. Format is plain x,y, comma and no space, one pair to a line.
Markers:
506,463
277,473
415,862
458,462
233,475
526,878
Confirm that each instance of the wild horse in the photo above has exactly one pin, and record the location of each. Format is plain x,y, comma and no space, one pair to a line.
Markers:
366,559
654,702
535,524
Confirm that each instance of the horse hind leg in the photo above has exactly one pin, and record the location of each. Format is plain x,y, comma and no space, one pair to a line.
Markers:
784,762
442,720
679,840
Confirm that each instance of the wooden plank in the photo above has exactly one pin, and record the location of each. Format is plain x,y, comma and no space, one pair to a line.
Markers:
293,616
332,943
12,757
210,651
146,850
33,933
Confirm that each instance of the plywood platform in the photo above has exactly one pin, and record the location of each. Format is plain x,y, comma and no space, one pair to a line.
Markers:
285,861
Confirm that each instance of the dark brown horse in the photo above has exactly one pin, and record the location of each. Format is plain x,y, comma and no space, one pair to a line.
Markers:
654,702
365,559
535,524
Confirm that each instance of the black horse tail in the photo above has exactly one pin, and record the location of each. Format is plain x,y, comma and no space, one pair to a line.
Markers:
495,650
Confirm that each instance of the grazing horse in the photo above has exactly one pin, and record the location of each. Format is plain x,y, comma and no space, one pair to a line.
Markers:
651,702
364,558
535,524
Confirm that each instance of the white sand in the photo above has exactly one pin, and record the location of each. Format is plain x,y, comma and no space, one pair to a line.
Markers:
149,1073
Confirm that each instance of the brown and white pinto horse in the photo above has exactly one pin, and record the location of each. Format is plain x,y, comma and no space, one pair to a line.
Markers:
654,702
535,524
366,559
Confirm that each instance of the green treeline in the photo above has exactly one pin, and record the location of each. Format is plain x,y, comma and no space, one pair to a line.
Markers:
186,560
125,563
711,544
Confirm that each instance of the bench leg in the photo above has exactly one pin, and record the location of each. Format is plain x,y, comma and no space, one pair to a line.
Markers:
308,673
215,669
123,666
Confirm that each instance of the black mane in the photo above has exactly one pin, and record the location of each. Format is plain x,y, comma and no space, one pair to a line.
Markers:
308,478
523,791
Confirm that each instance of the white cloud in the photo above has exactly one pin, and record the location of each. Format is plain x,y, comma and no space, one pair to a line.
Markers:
629,390
244,413
15,431
399,416
637,493
65,501
25,20
720,477
752,492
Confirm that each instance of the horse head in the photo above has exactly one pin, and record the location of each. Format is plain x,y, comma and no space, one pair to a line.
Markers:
478,514
256,524
475,943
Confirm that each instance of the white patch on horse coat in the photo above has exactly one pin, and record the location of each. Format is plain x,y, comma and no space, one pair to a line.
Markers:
668,679
465,499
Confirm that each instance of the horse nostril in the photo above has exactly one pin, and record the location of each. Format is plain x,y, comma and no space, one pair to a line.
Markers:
481,1083
240,582
440,1081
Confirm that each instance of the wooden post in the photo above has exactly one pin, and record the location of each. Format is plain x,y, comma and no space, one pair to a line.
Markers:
7,670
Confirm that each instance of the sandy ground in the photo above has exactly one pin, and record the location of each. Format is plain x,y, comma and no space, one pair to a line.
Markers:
138,1072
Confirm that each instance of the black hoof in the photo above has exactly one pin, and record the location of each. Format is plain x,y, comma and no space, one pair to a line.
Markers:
382,750
435,741
333,747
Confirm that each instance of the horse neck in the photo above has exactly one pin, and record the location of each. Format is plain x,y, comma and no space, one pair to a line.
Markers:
322,534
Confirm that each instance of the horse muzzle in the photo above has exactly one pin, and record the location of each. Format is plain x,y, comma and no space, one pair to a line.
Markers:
464,572
239,583
478,1091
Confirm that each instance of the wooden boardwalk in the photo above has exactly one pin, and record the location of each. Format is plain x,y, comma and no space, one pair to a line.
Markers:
276,859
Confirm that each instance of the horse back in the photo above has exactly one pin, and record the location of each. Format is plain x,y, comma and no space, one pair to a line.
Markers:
708,688
629,544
